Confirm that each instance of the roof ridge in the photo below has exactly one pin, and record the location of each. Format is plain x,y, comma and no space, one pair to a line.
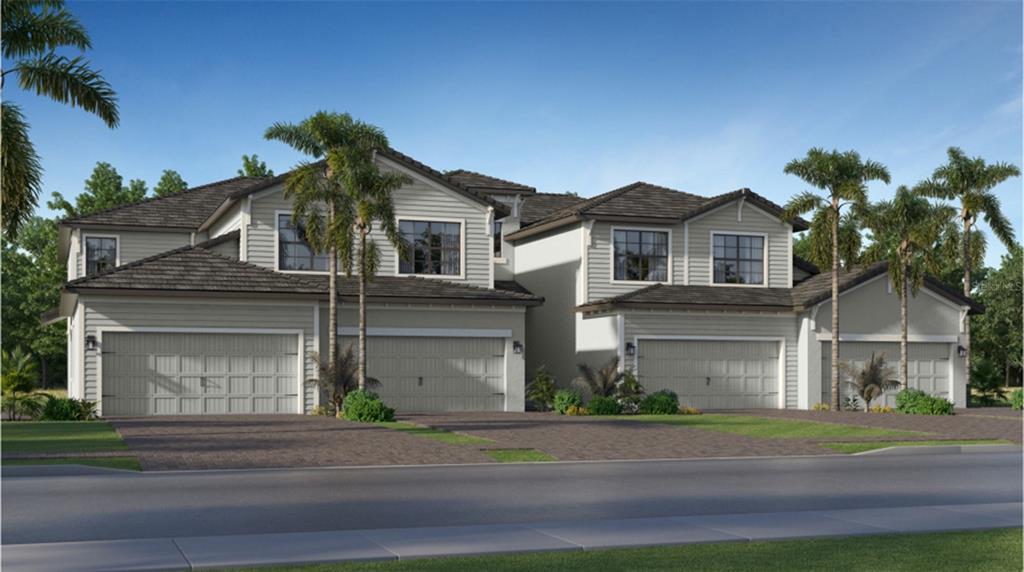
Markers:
147,200
396,155
484,175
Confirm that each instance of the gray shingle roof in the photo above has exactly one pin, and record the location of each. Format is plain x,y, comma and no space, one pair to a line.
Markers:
195,269
539,206
485,183
186,210
810,292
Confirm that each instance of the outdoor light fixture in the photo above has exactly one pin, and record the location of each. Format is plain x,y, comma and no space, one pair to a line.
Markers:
90,342
517,347
630,349
961,351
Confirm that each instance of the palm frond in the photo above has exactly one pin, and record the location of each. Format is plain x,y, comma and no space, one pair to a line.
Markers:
21,171
69,81
296,137
27,32
996,220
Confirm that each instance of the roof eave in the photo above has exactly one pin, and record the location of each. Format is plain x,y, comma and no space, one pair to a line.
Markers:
608,306
536,229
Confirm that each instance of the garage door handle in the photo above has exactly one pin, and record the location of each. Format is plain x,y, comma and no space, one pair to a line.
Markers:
708,381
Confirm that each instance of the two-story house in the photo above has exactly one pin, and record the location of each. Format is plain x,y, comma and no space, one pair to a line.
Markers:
210,301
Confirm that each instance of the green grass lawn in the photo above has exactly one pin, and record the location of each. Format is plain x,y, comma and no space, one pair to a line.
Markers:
126,463
861,447
59,436
436,434
993,550
518,455
770,428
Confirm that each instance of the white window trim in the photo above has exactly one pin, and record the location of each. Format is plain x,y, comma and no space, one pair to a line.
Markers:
711,259
427,332
462,248
888,338
299,373
85,249
781,340
611,254
277,246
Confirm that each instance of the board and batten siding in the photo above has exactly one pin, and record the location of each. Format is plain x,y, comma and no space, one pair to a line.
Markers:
104,312
726,219
134,245
416,201
639,324
599,259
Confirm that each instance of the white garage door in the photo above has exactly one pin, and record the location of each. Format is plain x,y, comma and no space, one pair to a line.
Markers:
196,374
927,368
712,374
438,373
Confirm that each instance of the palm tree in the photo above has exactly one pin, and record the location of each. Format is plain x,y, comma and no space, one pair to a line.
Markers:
603,382
907,232
844,177
32,30
871,381
971,180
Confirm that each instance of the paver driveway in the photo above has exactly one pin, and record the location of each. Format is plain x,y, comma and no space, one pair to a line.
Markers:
266,441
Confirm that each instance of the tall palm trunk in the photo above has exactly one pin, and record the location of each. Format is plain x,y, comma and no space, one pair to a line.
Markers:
835,304
904,349
332,295
362,307
967,292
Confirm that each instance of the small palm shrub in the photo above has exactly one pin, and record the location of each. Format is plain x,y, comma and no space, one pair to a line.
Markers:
340,378
687,410
66,409
872,380
21,405
602,382
821,407
882,409
366,407
629,392
566,398
541,390
1017,399
601,405
574,410
662,402
917,402
851,403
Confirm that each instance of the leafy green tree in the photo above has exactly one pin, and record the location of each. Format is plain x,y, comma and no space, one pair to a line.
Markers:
906,232
998,333
170,182
31,286
253,167
104,189
32,31
844,177
970,181
541,389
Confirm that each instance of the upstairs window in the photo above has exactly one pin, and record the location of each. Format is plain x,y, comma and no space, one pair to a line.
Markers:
293,252
100,253
496,233
431,247
739,259
641,255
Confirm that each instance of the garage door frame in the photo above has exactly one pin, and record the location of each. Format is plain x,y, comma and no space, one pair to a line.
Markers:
299,373
503,334
779,339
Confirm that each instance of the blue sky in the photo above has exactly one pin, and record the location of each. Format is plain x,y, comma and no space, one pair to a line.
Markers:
703,97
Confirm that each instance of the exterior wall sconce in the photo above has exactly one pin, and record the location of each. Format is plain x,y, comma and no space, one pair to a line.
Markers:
90,342
961,351
630,349
517,347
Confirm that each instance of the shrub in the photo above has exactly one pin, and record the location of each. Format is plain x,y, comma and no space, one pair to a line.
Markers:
21,405
687,410
324,411
1017,399
917,402
629,392
662,402
574,410
604,406
67,409
882,409
872,380
564,399
987,380
601,382
821,407
367,407
541,390
851,403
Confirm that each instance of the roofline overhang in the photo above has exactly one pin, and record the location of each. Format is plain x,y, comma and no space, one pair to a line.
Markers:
152,292
132,227
216,214
534,230
567,220
612,306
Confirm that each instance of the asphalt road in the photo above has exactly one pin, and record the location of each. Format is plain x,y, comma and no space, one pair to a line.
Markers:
107,507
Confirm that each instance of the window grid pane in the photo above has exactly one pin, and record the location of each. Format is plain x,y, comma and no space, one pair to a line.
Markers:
640,255
738,259
433,247
100,254
294,253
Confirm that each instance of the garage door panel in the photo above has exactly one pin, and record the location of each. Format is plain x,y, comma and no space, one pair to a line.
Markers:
149,373
712,374
927,368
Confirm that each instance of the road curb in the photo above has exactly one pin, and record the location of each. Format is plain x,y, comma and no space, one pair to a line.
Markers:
940,450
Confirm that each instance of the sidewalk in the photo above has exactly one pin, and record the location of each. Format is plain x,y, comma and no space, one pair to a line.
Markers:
195,553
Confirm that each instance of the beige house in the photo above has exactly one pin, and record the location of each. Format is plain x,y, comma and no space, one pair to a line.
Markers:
209,301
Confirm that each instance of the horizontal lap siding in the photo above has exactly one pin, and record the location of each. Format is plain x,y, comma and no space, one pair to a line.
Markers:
417,201
754,221
599,267
687,324
138,245
106,313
